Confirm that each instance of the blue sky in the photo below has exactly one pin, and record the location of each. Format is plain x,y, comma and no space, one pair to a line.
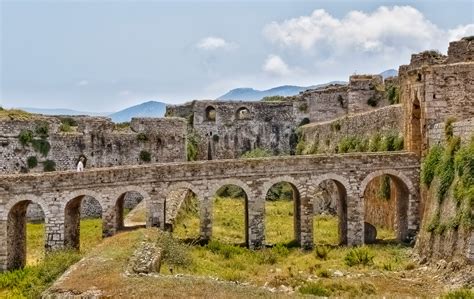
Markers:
108,55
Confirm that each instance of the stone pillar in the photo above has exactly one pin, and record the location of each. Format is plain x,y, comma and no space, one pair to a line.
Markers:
3,246
54,228
305,213
413,215
355,219
255,209
205,215
109,220
156,212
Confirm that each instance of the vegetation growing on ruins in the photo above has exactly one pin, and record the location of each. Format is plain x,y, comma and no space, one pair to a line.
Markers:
25,137
145,156
32,162
392,94
15,114
452,170
67,124
41,146
49,165
376,143
273,99
192,146
125,126
256,153
142,137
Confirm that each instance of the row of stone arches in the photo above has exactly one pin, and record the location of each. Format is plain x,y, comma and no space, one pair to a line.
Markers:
302,204
69,233
67,212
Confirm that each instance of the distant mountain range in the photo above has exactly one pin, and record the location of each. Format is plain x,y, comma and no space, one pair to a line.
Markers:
147,109
250,94
158,109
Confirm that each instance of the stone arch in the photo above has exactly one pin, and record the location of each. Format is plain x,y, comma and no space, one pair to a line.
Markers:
171,209
345,192
298,189
72,215
26,197
210,114
242,113
406,193
16,229
118,201
249,195
217,185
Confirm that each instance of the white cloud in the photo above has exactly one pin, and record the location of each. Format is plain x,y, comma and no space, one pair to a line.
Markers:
385,31
461,31
274,65
213,43
82,83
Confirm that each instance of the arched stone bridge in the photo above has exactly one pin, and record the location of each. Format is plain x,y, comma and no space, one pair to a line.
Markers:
60,194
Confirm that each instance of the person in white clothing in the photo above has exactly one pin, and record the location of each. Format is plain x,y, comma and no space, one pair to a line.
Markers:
80,165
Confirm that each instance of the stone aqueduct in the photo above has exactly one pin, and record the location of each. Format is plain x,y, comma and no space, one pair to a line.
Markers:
60,193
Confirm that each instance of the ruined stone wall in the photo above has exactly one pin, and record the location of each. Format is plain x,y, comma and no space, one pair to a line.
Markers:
366,92
97,139
464,129
228,129
433,88
325,136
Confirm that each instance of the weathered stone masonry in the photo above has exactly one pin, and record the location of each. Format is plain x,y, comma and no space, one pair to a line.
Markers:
58,193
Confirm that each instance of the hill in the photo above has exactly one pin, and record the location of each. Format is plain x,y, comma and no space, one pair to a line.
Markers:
147,109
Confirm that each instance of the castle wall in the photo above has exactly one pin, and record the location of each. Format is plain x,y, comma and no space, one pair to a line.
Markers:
327,135
238,127
97,139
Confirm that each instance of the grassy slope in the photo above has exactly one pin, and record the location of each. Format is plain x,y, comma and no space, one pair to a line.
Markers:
105,264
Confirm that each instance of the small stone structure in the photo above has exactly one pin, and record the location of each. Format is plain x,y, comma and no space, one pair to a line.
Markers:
60,195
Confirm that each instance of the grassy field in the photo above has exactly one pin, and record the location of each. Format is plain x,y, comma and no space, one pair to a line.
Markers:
41,271
236,272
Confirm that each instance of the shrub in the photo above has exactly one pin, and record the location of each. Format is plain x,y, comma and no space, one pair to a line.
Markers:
65,128
340,99
463,293
173,252
374,142
445,170
359,256
215,138
281,250
273,99
32,162
434,223
71,122
429,165
42,129
49,165
145,156
448,128
256,153
122,126
25,137
142,137
303,107
267,257
314,288
227,251
321,252
393,95
42,146
324,273
303,122
192,146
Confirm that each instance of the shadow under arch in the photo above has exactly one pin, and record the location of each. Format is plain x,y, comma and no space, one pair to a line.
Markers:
17,230
72,216
405,192
343,192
